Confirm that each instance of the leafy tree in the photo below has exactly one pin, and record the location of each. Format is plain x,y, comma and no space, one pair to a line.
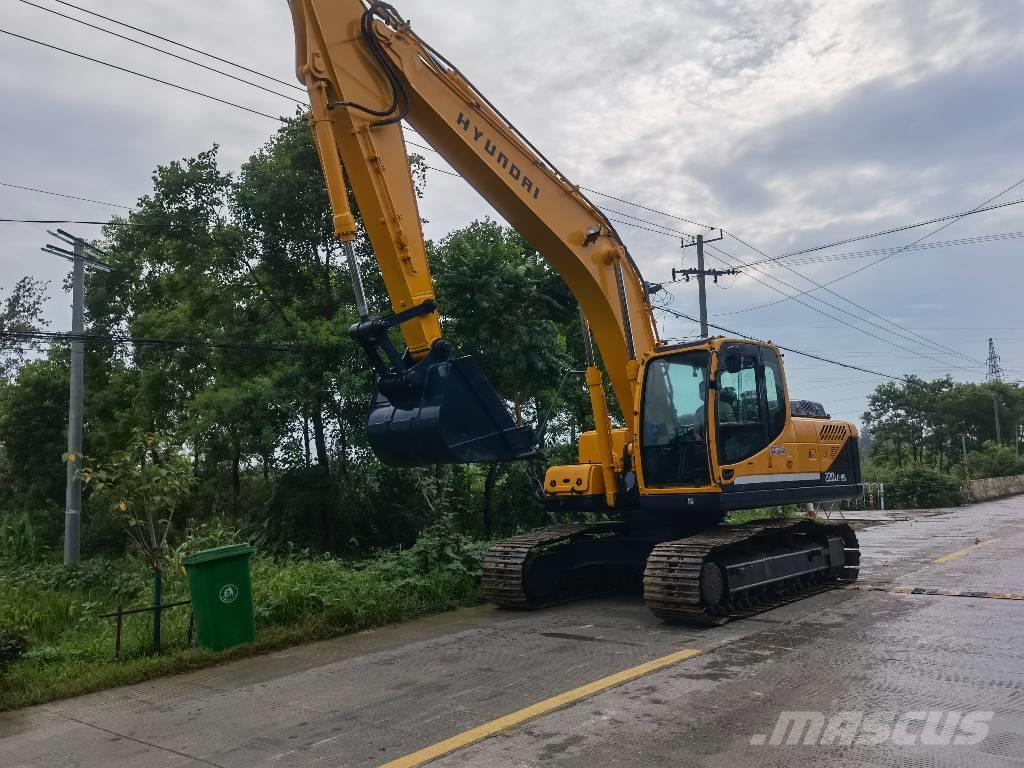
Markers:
917,422
502,304
143,486
21,312
276,441
33,436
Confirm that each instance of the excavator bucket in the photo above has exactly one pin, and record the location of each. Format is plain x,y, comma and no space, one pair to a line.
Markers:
443,410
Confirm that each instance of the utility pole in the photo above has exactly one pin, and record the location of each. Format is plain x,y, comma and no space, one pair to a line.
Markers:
73,492
702,274
962,434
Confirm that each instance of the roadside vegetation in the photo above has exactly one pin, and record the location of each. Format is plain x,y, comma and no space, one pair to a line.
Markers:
53,643
916,432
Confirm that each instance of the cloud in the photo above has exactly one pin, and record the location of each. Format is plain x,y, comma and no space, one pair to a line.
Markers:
882,137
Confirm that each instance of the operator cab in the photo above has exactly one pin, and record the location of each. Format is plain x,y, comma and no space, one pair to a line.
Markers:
677,443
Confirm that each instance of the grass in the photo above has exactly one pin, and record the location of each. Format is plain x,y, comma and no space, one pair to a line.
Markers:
742,516
298,599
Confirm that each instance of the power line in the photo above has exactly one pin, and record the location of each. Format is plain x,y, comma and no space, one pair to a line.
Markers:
663,230
277,80
671,231
442,170
181,45
833,317
110,223
673,235
953,220
421,146
160,50
884,258
56,337
824,258
645,208
61,194
263,114
980,209
140,74
790,349
930,345
658,229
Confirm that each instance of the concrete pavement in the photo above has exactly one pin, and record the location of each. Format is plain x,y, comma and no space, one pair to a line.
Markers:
385,695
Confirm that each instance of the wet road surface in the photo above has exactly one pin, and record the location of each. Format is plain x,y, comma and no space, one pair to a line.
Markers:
872,676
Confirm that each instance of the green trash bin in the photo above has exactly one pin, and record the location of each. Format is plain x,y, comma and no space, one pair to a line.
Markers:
221,590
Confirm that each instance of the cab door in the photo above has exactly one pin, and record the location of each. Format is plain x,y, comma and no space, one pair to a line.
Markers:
750,413
674,421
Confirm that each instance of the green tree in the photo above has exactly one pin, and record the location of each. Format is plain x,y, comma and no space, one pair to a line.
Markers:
502,304
143,487
33,432
21,311
916,422
180,273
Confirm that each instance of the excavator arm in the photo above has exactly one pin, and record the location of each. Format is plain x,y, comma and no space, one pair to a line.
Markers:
367,71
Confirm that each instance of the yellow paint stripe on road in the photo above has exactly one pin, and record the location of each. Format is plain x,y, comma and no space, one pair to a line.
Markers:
964,551
473,735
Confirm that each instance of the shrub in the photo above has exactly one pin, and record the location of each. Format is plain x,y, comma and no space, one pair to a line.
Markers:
994,460
27,532
12,646
921,487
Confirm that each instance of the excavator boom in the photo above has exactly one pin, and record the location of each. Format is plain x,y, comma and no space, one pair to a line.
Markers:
367,71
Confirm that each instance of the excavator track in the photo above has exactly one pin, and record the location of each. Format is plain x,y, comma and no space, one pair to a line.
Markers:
689,580
506,566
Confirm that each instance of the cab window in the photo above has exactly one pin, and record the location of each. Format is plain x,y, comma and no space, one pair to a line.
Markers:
674,421
775,394
751,401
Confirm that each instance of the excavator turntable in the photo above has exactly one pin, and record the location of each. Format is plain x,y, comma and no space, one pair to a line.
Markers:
706,428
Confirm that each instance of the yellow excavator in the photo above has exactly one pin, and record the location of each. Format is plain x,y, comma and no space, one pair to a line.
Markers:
708,425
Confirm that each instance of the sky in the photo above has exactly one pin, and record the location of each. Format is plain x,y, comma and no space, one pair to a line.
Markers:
787,123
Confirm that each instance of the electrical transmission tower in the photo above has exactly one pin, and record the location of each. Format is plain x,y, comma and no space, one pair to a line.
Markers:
995,370
701,274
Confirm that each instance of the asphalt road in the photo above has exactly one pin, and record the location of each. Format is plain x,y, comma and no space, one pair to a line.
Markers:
877,677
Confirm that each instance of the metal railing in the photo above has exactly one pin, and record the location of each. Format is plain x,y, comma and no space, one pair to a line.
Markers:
156,610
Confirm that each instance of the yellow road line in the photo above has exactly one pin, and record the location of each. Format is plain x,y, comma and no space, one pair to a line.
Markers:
466,738
964,551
